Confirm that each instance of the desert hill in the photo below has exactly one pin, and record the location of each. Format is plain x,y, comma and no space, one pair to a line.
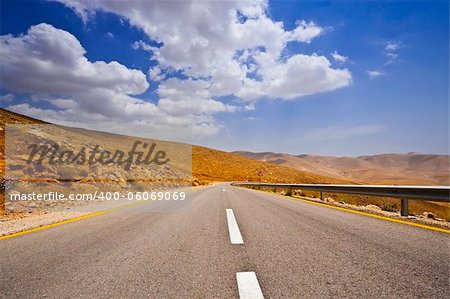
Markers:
209,165
411,168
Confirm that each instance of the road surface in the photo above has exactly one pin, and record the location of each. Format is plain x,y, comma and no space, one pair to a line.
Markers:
291,249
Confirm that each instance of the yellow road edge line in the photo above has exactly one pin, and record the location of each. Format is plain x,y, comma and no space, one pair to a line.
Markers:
437,229
31,230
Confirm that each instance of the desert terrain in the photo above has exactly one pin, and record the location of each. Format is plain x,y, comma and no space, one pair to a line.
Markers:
210,165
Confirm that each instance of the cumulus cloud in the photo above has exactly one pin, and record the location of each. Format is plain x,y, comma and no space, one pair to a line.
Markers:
49,64
64,103
283,80
374,74
220,48
339,58
305,32
144,46
181,97
250,107
223,41
156,74
48,60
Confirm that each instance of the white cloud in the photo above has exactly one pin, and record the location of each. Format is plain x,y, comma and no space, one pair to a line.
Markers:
180,97
392,45
64,103
391,58
50,60
302,75
392,55
109,35
223,48
209,39
339,58
391,51
305,32
156,74
333,133
7,98
52,67
144,46
250,107
206,129
374,74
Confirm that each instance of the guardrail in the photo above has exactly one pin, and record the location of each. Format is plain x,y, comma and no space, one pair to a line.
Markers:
405,193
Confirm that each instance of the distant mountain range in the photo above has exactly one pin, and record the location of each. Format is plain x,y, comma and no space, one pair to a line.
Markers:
411,168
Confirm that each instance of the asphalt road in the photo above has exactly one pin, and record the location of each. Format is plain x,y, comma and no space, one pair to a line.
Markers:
296,250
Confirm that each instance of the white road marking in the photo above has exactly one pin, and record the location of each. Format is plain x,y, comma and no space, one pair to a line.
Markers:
233,228
248,286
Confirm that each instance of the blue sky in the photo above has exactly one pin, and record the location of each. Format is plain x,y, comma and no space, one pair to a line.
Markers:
335,78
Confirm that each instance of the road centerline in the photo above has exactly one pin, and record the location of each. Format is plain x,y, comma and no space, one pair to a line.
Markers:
248,286
233,228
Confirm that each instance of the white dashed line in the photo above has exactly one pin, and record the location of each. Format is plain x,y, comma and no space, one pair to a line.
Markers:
233,228
248,286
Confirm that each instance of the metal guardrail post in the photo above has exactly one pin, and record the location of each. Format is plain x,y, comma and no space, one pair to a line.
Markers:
321,196
404,208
